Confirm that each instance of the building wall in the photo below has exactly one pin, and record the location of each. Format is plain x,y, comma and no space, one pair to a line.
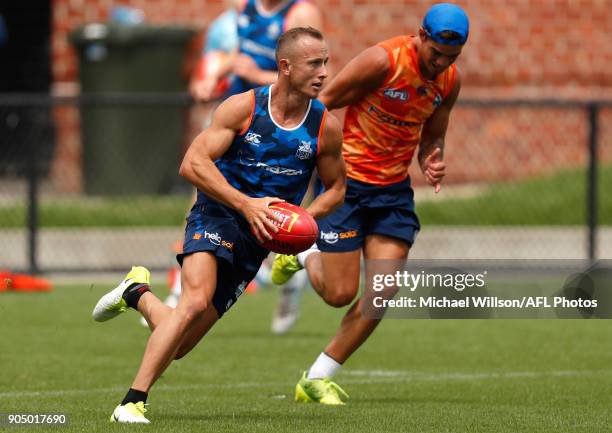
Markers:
517,48
538,47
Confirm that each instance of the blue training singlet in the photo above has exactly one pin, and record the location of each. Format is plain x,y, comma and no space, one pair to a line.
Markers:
258,32
269,160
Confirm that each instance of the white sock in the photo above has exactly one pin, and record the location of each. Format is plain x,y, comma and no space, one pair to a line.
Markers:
263,275
176,287
301,257
323,367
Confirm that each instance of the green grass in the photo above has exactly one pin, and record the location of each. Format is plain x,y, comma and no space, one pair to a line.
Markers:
413,375
559,199
104,212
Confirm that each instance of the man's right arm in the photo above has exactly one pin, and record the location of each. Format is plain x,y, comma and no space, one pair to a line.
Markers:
199,168
331,170
360,76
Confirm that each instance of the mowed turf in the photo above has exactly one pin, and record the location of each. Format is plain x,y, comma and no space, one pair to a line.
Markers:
412,376
542,200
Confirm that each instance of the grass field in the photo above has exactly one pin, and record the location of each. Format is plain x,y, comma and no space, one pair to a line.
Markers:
412,376
558,199
539,201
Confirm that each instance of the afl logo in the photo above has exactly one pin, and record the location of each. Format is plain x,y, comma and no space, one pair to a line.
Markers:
402,95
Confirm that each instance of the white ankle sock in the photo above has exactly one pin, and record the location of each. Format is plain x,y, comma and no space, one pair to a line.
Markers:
301,257
176,286
323,367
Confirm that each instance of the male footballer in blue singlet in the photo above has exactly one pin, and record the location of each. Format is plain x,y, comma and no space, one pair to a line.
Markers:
259,25
261,148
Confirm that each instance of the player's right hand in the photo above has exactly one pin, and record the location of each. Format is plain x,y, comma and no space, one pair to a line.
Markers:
260,216
245,67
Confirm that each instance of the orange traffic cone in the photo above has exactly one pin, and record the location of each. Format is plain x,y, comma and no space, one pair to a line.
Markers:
5,281
23,283
29,283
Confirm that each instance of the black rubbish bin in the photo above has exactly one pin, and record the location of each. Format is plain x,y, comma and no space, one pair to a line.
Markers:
128,148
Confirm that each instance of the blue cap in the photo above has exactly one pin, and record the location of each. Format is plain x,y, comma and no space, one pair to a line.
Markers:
446,17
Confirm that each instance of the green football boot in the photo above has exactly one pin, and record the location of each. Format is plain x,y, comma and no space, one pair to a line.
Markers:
322,391
130,413
283,268
113,304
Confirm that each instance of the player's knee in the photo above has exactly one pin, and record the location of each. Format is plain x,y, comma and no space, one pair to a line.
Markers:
388,293
340,298
193,308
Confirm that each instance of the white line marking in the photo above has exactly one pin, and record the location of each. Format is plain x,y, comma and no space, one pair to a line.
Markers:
360,377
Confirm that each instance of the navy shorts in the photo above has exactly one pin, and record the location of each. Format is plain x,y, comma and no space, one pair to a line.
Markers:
215,228
367,210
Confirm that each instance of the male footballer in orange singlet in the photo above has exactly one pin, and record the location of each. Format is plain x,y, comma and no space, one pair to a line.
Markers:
399,95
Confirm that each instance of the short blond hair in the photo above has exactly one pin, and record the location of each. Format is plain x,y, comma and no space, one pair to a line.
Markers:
293,35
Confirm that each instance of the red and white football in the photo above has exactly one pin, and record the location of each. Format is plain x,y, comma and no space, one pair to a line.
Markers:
297,231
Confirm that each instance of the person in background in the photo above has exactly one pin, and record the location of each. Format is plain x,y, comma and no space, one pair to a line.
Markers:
250,63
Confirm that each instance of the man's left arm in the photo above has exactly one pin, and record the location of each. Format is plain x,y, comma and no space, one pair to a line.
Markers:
331,170
431,147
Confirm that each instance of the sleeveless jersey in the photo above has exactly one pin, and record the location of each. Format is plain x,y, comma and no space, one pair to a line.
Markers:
258,32
383,130
266,159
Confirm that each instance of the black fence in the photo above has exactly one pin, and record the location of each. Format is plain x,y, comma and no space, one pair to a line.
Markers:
91,183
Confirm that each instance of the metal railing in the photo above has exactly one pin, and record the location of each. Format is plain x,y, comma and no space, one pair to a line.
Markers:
33,174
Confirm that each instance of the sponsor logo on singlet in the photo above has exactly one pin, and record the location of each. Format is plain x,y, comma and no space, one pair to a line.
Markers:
402,95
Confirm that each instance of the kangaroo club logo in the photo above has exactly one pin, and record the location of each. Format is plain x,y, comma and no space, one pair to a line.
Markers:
274,30
304,150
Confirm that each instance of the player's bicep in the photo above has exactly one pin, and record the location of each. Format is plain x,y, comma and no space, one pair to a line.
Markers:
437,124
213,142
360,76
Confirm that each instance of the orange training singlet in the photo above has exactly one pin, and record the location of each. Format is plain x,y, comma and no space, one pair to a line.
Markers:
383,130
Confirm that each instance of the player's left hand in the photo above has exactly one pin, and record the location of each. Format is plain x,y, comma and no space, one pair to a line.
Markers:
434,168
246,68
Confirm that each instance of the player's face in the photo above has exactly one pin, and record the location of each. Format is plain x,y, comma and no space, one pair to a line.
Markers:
434,58
308,66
